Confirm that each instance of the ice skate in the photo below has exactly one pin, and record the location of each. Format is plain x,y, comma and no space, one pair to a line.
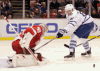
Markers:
87,53
71,56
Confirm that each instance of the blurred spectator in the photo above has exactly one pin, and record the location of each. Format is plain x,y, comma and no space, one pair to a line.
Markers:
2,16
9,16
59,14
69,2
4,3
54,5
34,6
7,5
85,4
6,13
40,1
95,2
2,10
87,8
32,9
80,3
37,13
64,16
45,15
32,15
95,14
38,4
28,15
62,3
76,4
43,8
52,15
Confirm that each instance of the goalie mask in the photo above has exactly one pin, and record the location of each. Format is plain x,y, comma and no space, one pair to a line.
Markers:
44,27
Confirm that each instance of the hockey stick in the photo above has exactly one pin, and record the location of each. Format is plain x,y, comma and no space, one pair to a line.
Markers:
45,44
14,31
81,43
18,35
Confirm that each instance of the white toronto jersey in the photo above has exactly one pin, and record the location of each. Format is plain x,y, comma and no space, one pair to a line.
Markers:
77,18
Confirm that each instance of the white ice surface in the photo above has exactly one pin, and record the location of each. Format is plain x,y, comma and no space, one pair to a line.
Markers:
55,52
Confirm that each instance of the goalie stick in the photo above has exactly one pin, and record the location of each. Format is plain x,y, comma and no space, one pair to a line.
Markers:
81,43
14,31
18,35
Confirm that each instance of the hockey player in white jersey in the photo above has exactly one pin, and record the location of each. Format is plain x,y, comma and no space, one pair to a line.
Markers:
85,25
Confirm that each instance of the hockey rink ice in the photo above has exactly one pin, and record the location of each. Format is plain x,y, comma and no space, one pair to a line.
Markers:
54,53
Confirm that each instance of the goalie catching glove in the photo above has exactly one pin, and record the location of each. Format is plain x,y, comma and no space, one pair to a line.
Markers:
60,33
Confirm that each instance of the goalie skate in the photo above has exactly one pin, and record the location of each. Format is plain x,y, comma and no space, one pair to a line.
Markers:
4,63
9,61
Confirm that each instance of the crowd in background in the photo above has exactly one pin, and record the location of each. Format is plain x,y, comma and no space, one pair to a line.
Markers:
6,9
38,8
57,8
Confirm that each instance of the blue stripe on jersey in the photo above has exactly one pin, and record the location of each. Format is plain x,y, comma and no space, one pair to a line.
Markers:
72,21
71,24
85,20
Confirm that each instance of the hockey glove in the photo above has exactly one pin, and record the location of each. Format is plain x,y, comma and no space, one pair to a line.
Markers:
60,33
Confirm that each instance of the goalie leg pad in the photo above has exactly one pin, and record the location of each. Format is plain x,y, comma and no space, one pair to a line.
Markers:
21,60
16,47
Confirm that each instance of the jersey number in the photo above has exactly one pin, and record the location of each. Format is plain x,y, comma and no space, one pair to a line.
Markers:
38,30
82,13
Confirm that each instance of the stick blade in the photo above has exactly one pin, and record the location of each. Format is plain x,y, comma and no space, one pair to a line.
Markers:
66,45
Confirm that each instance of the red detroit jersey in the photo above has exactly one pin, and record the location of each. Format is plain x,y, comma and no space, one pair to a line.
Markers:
36,31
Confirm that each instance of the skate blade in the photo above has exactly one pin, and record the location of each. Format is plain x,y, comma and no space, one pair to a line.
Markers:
69,59
88,55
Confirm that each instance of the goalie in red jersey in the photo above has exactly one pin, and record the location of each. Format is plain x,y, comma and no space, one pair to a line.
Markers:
30,37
